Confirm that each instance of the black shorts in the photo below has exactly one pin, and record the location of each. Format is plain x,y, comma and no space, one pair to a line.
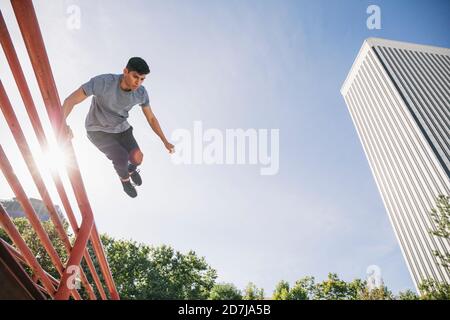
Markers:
118,147
124,139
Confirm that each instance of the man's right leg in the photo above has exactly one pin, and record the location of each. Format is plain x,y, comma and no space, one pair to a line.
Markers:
108,144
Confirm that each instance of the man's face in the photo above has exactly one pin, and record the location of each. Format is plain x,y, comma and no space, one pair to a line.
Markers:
133,80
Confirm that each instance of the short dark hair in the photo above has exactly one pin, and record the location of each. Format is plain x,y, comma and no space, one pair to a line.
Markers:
139,65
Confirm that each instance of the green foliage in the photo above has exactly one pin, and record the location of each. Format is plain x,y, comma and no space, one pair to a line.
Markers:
34,243
332,289
129,265
434,290
431,289
281,291
251,292
303,289
4,236
139,271
408,295
441,219
381,293
225,291
144,272
356,288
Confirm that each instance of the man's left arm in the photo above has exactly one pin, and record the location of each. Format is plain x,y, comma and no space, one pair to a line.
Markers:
154,124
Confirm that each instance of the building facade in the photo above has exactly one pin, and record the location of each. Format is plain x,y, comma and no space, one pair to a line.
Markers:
398,95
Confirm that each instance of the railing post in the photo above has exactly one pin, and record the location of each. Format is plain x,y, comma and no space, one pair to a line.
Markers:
29,257
29,27
30,107
75,258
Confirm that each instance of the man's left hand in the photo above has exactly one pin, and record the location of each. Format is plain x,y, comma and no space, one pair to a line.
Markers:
169,147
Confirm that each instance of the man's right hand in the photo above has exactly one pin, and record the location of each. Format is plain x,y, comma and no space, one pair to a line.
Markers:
66,133
75,98
69,133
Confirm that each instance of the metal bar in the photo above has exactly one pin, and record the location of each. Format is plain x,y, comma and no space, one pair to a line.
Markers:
29,211
19,77
15,185
75,257
24,148
104,266
28,24
94,274
15,236
41,288
21,258
18,282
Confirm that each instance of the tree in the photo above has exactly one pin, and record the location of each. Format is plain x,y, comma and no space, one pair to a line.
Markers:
441,219
334,288
32,240
408,295
144,272
281,291
303,289
432,289
252,292
330,289
130,267
225,291
139,271
355,289
381,293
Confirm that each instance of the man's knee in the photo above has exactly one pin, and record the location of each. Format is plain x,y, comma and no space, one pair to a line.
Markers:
136,156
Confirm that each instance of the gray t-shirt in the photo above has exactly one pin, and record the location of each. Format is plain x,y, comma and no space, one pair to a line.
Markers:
110,104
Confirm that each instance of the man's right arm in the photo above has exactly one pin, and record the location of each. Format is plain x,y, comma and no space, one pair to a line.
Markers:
75,98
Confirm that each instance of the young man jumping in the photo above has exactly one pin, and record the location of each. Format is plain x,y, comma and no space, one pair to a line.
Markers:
106,123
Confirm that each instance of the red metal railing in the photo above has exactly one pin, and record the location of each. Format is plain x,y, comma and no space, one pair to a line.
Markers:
29,27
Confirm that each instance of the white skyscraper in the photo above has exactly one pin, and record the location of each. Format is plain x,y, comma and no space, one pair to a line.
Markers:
398,95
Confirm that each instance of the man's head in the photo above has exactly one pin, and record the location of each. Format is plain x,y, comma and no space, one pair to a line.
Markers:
134,73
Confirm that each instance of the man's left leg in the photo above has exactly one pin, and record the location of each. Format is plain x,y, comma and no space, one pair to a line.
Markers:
108,144
135,155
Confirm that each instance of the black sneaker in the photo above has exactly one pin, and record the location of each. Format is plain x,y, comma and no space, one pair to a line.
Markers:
129,189
135,176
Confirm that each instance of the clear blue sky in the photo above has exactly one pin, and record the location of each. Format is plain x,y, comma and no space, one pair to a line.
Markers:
237,64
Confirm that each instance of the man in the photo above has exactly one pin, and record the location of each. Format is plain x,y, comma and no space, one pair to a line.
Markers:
106,123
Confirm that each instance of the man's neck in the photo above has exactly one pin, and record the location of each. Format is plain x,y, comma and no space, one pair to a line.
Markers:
123,85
